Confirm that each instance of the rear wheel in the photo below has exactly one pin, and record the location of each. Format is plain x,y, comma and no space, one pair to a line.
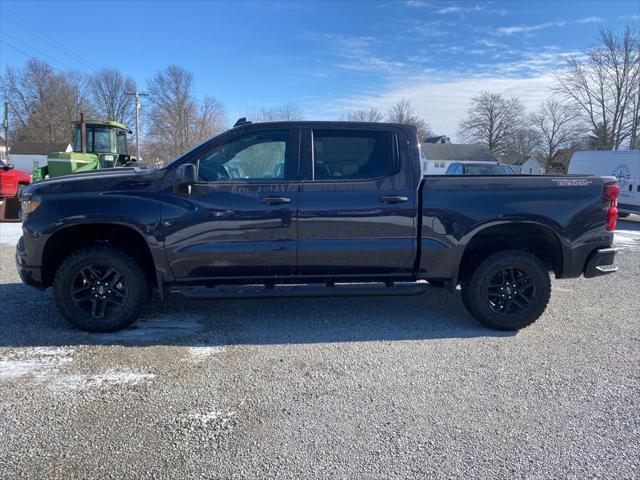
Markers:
509,290
100,289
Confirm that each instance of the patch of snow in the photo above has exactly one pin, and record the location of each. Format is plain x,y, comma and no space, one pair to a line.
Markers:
38,362
97,381
627,238
10,233
202,352
157,328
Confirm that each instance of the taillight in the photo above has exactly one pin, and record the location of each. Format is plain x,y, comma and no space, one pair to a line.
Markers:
611,192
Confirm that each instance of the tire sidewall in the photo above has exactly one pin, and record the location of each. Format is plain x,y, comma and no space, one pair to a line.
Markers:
133,278
480,306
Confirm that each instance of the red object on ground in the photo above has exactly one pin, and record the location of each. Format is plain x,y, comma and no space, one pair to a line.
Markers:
11,179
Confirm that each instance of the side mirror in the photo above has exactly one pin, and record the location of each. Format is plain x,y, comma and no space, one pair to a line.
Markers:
10,166
186,175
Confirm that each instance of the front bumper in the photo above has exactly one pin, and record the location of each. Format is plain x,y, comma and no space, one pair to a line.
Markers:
601,262
29,274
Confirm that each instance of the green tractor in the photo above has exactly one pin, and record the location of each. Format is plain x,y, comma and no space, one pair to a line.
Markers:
97,144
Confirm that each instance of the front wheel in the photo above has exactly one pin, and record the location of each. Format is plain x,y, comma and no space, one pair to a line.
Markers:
100,289
508,291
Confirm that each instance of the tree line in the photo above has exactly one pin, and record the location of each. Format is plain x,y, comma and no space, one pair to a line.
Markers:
594,104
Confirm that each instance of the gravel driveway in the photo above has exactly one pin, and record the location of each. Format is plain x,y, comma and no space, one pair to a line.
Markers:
313,388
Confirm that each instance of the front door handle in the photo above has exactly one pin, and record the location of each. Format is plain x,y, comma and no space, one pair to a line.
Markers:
275,200
393,199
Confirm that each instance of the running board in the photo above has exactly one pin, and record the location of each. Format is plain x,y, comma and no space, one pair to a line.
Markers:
279,291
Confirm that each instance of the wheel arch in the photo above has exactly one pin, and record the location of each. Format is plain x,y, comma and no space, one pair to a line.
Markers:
533,237
73,237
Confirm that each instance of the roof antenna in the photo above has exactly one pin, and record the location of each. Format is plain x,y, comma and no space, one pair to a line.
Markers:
241,121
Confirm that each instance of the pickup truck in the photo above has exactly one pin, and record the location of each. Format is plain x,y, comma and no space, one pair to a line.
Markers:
12,181
310,209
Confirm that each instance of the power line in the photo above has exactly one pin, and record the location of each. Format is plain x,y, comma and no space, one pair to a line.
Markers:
37,50
55,44
23,52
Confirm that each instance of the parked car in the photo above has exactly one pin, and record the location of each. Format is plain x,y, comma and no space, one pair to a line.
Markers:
479,168
622,164
12,181
351,215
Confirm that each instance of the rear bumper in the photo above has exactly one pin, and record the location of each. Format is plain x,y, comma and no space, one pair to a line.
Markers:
600,262
30,275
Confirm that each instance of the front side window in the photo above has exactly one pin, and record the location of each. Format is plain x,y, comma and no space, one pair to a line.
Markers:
253,156
352,155
122,143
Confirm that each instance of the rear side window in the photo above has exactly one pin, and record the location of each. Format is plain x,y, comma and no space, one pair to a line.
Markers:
353,155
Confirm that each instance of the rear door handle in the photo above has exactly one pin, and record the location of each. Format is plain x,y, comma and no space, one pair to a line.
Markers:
275,200
393,199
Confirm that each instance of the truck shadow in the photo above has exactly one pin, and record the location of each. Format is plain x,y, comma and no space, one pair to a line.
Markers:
30,318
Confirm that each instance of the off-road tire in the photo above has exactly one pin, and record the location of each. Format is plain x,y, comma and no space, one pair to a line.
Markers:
475,287
133,276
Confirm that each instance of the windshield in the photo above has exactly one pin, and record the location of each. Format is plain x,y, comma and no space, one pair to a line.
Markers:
99,139
488,170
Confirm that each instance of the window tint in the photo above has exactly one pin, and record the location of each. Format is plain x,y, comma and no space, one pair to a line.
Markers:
347,155
254,156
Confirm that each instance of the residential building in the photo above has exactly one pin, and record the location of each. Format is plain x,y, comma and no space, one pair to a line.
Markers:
438,156
27,155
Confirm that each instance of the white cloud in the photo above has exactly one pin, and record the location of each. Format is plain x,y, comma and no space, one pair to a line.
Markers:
540,26
443,104
475,9
589,20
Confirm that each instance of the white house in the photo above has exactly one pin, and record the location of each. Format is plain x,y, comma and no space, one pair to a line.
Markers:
3,150
531,166
438,156
24,155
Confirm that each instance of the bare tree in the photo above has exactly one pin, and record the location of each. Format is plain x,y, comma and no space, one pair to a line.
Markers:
557,126
109,90
178,121
365,115
634,122
287,112
603,84
521,145
402,112
493,120
43,102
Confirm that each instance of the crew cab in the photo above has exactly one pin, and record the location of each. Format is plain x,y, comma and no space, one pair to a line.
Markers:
12,181
307,209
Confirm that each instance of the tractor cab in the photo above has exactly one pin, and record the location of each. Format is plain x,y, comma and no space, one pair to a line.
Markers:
106,139
97,144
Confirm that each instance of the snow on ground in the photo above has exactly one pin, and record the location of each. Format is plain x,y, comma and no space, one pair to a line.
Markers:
10,233
202,352
46,365
98,381
627,239
156,328
38,362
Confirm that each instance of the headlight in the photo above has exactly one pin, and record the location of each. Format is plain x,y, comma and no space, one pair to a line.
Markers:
28,205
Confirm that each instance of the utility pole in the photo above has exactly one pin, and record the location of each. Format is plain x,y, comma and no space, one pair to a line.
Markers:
5,125
138,95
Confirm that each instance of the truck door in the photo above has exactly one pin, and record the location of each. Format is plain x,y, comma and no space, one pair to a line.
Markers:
240,217
357,203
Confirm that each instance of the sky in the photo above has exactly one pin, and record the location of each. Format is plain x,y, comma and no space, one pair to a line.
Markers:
328,57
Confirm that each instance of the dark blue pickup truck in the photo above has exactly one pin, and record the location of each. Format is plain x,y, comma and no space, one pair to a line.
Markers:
308,209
